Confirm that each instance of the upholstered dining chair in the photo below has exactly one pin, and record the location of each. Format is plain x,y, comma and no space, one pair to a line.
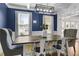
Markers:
70,37
6,43
69,40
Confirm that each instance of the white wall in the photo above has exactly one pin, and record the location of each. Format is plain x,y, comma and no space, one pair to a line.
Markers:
76,20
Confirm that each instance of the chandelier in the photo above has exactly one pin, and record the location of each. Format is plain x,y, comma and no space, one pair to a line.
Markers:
45,9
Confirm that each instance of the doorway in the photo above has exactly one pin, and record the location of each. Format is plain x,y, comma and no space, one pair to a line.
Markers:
48,20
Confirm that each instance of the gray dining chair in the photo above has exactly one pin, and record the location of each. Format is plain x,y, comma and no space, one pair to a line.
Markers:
6,43
70,37
69,40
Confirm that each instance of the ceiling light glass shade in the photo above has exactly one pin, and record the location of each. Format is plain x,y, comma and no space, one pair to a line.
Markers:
37,9
50,10
44,10
41,9
47,10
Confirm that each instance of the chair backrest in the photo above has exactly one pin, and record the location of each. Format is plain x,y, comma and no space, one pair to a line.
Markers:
6,40
11,34
3,39
70,33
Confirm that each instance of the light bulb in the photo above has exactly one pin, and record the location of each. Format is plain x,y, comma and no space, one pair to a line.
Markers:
40,9
47,10
37,9
50,11
44,10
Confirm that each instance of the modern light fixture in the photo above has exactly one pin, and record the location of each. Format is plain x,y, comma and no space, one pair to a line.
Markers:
44,8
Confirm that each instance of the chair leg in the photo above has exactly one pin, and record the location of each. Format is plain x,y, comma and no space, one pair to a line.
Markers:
22,54
58,52
74,50
66,43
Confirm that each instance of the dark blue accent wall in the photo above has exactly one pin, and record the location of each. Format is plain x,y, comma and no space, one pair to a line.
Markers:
55,22
35,16
7,18
3,10
11,19
39,19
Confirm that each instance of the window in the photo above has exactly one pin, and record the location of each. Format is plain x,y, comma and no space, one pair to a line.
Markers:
23,23
23,18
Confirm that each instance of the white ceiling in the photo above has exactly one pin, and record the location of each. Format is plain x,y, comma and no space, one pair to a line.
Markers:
64,9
